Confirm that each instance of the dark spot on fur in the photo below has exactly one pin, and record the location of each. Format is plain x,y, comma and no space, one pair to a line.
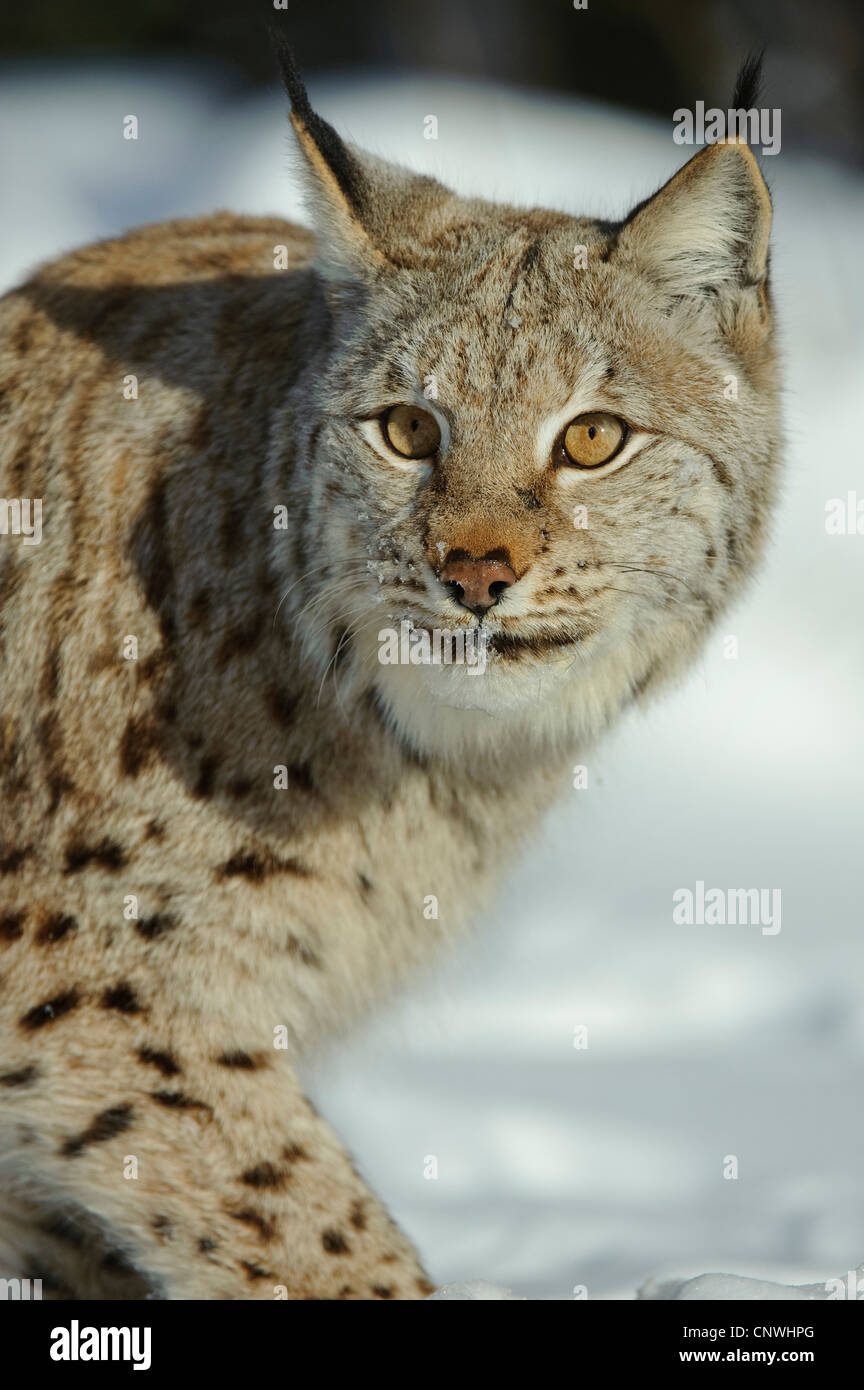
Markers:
295,1153
231,530
365,885
163,1060
302,952
639,686
244,865
11,928
206,1244
21,337
106,855
163,1227
50,684
176,1100
207,776
155,830
264,1175
106,1126
256,867
157,925
254,1271
117,1263
51,1281
11,862
301,776
239,787
240,640
51,1010
25,1076
528,497
139,745
242,1060
381,1291
153,666
334,1243
55,928
265,1226
61,1227
721,472
151,553
281,705
121,997
199,608
358,1217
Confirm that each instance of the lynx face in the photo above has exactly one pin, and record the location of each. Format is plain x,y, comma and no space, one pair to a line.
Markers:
557,433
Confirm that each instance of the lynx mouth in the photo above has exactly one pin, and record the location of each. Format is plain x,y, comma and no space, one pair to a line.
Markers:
511,646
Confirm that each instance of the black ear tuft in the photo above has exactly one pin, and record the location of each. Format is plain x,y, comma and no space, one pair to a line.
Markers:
324,138
293,82
748,84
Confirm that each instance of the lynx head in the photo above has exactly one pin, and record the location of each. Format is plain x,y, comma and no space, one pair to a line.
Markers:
557,432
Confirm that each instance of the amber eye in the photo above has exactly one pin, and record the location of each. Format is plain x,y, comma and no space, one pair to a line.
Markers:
412,432
590,440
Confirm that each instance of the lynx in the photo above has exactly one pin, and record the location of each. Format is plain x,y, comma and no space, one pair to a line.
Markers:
227,825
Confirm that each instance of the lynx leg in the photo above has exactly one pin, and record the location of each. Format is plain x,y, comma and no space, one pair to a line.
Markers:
205,1176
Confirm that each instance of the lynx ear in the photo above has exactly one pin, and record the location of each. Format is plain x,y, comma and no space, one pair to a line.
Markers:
366,212
707,229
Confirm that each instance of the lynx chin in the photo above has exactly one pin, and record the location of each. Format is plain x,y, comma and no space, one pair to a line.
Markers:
223,817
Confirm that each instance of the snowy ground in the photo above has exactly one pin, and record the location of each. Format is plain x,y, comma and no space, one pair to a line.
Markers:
602,1167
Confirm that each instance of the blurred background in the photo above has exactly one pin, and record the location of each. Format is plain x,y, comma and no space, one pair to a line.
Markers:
560,1166
648,55
212,62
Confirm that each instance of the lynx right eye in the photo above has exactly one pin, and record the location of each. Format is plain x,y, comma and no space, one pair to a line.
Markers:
593,439
411,432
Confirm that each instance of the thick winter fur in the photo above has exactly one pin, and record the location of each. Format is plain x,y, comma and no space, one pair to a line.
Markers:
229,837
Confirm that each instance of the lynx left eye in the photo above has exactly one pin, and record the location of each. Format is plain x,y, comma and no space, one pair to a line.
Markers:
411,432
592,439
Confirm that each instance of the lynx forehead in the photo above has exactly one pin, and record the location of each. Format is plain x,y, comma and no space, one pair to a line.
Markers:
225,825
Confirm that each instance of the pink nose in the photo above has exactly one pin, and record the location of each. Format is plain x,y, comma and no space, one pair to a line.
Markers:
476,584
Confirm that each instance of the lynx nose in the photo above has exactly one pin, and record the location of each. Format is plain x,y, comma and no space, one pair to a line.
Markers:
476,584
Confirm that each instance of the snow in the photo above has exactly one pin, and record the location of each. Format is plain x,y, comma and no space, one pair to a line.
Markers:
710,1287
563,1168
475,1291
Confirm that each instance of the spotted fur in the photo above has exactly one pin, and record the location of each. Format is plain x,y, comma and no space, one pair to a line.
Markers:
229,838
